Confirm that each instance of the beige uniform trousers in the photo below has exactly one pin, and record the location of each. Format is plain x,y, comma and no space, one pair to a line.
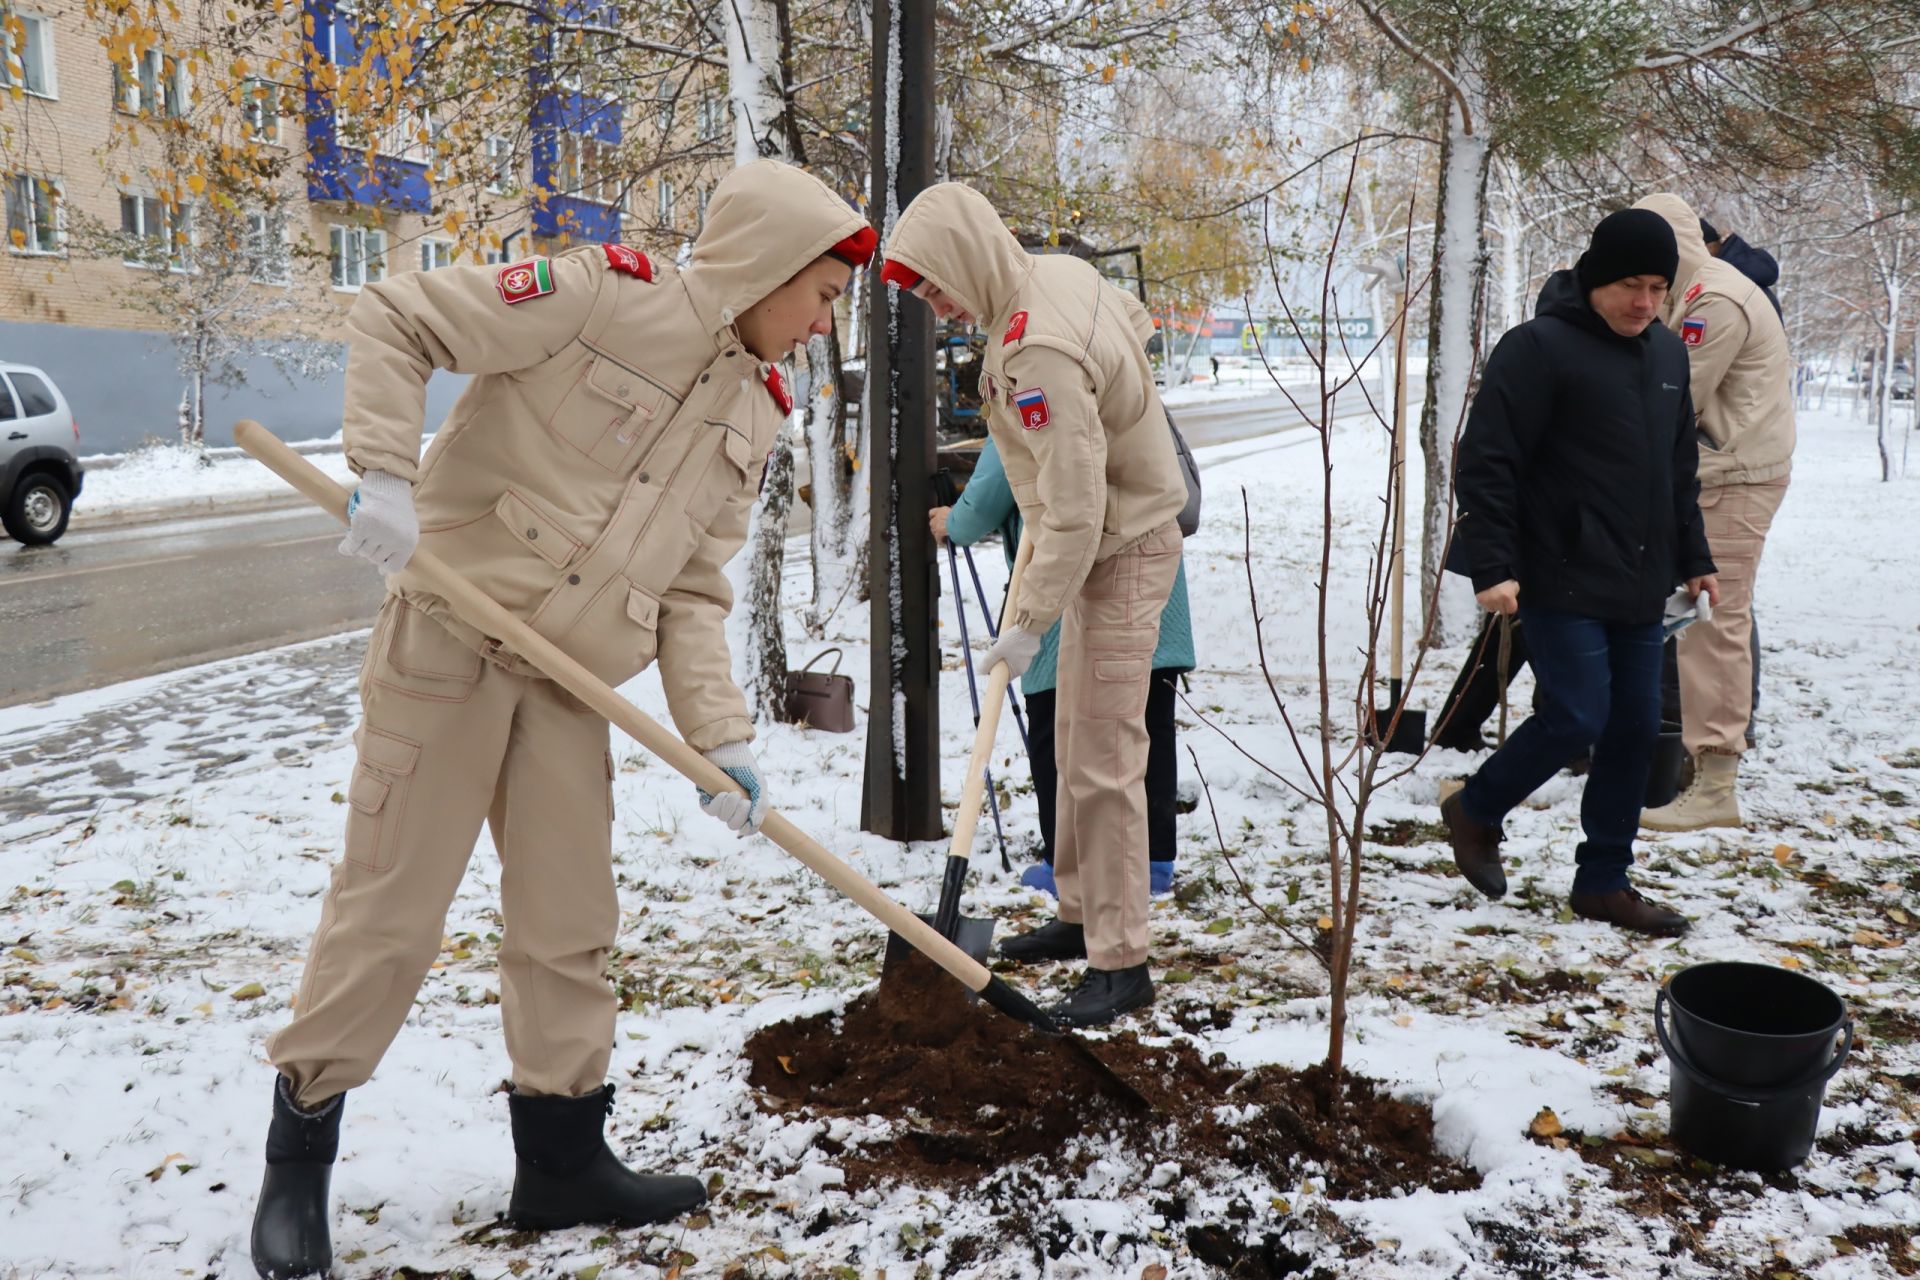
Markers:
1716,657
449,740
1107,638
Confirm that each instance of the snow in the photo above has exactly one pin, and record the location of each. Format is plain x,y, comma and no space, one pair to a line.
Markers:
166,474
134,1091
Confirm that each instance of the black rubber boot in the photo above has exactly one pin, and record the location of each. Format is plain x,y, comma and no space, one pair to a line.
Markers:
1103,995
290,1236
1054,940
564,1175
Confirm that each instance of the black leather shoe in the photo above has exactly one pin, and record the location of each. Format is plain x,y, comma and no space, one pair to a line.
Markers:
1476,848
1054,940
1628,910
564,1175
1103,995
290,1228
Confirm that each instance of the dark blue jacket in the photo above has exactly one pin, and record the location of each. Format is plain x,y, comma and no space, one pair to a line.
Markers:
1756,265
1577,467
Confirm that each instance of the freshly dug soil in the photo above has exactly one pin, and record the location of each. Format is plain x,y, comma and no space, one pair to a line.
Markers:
976,1091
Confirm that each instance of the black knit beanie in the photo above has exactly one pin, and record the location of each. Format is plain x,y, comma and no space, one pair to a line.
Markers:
1632,242
1707,232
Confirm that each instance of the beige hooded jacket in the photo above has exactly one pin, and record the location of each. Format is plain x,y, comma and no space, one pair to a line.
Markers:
1070,397
598,473
1737,354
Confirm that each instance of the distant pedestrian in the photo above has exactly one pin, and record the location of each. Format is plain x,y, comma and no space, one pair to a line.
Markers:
1578,512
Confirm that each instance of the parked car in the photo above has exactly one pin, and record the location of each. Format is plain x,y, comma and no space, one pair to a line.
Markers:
1901,384
40,473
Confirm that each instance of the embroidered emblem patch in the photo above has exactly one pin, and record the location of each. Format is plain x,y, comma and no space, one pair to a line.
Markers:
1031,405
1016,327
1694,292
777,388
523,280
1693,331
628,261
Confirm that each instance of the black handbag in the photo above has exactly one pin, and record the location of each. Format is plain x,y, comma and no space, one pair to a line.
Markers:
820,699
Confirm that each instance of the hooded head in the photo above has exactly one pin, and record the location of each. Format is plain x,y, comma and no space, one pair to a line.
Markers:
766,223
952,238
1687,238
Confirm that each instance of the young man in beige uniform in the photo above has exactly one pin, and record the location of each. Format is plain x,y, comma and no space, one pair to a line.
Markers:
594,478
1078,421
1743,396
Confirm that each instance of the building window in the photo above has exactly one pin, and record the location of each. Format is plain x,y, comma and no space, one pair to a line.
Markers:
713,115
435,254
36,218
664,210
565,50
706,194
586,168
260,108
501,170
358,256
509,250
668,93
156,233
29,55
411,136
154,85
267,257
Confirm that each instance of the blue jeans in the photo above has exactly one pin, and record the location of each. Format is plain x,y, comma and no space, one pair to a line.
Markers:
1600,688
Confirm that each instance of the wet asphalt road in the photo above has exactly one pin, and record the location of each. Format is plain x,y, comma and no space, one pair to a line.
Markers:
101,607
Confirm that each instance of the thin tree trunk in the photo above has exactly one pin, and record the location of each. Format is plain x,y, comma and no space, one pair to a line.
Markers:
1460,261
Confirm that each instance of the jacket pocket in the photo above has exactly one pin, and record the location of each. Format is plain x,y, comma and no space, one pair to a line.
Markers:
726,474
377,797
605,412
536,530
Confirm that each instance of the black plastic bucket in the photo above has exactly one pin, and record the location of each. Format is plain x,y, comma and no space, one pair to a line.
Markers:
1669,755
1752,1049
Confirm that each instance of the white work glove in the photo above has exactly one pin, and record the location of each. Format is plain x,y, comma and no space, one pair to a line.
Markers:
381,523
742,813
1016,647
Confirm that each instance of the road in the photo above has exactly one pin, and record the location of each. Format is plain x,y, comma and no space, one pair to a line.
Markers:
98,608
116,604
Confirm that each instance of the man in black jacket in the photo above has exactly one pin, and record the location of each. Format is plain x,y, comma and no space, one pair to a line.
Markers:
1579,511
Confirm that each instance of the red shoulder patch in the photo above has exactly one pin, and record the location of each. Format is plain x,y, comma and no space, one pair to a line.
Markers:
629,261
1031,405
1693,293
1016,328
777,388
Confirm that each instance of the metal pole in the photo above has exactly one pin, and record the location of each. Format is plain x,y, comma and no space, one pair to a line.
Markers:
901,796
1398,569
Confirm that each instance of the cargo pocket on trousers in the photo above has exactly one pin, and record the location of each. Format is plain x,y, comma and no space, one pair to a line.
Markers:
1119,688
420,658
377,797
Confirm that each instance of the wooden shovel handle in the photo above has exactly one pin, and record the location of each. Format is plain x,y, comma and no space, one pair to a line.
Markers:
997,681
478,610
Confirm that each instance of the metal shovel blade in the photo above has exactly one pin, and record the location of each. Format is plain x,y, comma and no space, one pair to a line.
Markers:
973,936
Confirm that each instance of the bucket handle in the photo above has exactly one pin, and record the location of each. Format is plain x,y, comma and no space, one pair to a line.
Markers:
1747,1095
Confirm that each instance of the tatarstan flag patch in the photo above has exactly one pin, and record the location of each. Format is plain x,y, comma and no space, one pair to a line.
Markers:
522,280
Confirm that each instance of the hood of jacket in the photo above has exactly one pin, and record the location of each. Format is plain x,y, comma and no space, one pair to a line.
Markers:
766,222
1755,264
953,236
1686,234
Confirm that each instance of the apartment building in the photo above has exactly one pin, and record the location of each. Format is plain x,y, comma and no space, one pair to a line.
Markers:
83,140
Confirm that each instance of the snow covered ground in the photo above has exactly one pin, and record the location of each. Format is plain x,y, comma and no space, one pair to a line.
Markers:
147,947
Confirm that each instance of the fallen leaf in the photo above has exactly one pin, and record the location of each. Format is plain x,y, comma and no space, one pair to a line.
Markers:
786,1064
1898,916
252,991
588,1273
22,954
1153,1271
1220,926
1396,982
1545,1125
1791,962
1325,922
1783,854
1179,975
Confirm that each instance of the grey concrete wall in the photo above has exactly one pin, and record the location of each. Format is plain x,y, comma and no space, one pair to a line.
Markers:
126,386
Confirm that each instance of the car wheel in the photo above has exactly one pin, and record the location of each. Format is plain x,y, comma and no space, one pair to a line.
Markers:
37,510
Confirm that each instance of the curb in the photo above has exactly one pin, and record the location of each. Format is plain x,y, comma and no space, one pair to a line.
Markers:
187,508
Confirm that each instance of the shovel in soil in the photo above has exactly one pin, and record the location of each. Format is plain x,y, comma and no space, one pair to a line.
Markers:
971,935
475,608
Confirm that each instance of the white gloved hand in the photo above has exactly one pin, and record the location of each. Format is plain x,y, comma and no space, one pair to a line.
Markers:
1016,647
742,813
381,523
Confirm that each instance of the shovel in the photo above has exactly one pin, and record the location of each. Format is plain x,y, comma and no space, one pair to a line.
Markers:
969,934
476,609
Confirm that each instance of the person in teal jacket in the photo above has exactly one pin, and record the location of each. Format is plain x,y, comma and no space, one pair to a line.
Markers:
987,507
